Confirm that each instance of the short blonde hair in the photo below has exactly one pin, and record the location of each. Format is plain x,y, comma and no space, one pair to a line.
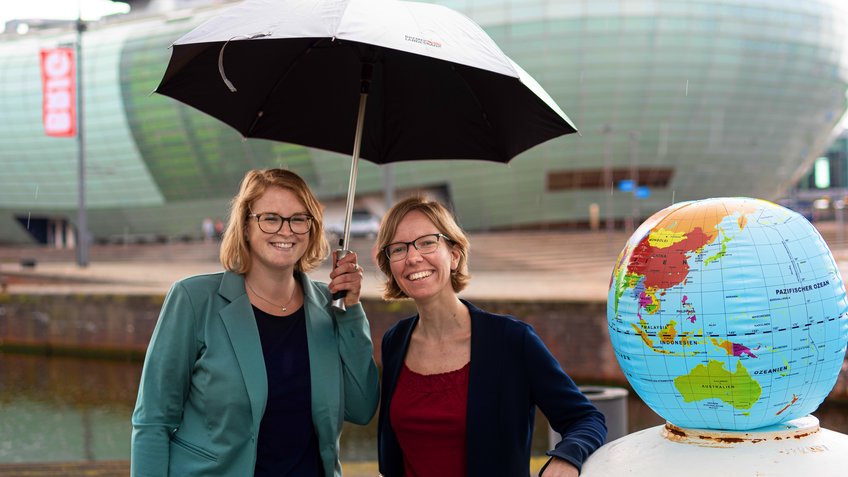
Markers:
235,250
444,220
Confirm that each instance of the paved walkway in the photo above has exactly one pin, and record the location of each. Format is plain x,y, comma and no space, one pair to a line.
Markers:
571,266
513,265
538,265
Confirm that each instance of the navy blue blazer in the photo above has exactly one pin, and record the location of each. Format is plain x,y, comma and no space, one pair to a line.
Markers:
512,372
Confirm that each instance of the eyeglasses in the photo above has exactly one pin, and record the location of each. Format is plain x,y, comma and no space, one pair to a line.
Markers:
424,244
271,223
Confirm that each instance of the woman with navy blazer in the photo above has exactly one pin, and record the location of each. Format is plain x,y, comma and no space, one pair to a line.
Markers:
461,385
249,371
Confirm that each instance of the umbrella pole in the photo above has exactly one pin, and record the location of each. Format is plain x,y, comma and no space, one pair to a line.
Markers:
338,297
354,168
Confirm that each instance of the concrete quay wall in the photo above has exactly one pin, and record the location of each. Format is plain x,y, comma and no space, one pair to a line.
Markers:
116,325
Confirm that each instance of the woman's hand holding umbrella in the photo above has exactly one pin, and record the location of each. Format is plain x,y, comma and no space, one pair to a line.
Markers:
347,276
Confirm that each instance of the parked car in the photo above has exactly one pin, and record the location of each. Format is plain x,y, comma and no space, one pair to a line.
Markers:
362,224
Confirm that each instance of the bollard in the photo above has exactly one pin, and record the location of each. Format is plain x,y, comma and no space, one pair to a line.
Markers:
612,402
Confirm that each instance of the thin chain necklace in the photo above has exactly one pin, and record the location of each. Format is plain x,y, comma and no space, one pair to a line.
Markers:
282,307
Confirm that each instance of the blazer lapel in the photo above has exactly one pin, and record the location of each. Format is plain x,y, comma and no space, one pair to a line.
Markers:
324,369
244,335
393,366
484,389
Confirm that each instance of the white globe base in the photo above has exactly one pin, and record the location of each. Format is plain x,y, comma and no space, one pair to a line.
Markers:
793,448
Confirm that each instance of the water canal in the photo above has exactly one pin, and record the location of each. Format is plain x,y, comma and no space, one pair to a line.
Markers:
74,409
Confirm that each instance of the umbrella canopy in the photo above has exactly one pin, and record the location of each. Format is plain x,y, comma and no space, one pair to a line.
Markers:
301,71
291,70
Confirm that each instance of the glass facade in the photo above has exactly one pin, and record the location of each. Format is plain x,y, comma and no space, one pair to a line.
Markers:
822,192
684,99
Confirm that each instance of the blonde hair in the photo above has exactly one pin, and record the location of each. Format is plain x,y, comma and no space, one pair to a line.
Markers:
235,250
444,220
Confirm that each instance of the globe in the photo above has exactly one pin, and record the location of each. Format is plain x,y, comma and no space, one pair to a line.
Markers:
728,313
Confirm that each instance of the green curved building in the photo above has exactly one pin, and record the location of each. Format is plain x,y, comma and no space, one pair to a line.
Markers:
684,99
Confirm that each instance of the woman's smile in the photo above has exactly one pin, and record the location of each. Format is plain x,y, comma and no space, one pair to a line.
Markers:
282,245
419,275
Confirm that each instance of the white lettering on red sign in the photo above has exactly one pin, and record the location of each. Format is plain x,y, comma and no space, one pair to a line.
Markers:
59,92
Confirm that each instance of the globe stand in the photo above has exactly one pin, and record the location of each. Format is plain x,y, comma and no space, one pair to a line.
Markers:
795,429
793,448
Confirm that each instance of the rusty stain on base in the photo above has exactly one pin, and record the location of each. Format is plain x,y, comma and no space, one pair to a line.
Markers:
796,429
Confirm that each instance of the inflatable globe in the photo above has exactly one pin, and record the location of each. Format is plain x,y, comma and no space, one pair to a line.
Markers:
728,314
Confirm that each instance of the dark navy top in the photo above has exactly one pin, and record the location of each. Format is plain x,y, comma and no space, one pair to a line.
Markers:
287,445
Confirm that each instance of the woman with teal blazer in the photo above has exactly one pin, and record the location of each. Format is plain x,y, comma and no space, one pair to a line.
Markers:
249,372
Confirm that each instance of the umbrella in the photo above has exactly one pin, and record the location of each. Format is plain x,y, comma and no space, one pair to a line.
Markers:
302,71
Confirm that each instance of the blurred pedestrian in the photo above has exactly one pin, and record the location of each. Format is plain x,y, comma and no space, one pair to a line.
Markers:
460,384
219,229
250,372
208,228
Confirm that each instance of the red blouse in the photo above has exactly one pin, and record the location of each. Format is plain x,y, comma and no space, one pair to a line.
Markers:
428,417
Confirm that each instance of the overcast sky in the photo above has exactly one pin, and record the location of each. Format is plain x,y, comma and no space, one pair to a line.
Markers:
58,9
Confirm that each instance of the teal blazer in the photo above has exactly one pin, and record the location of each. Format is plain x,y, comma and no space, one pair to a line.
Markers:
203,387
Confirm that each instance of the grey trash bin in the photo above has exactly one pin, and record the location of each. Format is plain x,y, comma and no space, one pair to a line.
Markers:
609,400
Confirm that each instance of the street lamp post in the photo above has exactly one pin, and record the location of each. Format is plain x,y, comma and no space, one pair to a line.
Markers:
82,216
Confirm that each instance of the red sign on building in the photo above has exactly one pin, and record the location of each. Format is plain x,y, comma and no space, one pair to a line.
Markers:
58,80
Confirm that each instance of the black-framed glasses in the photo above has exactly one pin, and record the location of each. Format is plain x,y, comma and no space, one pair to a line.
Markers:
271,223
424,244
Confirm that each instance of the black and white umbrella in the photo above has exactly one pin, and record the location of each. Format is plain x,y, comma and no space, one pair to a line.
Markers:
301,71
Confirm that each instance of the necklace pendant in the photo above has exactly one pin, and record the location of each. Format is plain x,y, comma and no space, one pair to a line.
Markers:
284,309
